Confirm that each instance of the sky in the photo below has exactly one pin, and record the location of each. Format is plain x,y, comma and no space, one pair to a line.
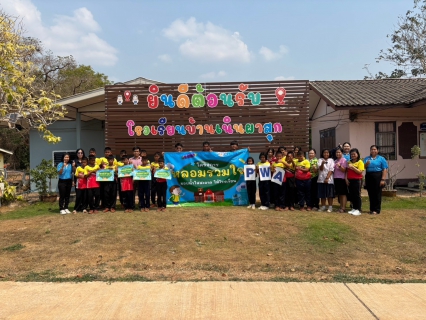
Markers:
180,41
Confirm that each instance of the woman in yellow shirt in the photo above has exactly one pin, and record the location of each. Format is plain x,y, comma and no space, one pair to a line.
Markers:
354,177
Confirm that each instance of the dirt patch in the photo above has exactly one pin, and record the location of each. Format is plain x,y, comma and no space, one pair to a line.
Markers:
215,244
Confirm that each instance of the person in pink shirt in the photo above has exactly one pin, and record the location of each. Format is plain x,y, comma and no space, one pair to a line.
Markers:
340,167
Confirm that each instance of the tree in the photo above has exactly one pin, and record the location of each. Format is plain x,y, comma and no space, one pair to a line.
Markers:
408,50
20,98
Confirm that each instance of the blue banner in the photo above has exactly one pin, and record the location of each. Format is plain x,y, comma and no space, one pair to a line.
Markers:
207,178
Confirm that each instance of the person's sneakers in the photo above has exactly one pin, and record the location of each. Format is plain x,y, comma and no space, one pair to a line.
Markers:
263,208
67,211
249,206
84,211
322,209
330,209
62,212
351,211
253,206
356,213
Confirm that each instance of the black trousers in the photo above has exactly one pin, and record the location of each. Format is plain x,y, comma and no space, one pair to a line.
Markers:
109,197
272,192
372,181
355,193
251,191
264,192
314,193
128,199
64,186
279,195
161,194
93,196
144,193
290,196
304,192
153,190
80,199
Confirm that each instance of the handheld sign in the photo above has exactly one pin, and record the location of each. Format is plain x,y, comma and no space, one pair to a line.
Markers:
142,174
105,175
125,171
163,174
249,172
264,173
278,176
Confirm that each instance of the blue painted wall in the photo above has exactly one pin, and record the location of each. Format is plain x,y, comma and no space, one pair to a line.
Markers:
92,136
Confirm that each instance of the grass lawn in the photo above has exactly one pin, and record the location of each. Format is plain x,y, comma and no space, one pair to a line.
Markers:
215,243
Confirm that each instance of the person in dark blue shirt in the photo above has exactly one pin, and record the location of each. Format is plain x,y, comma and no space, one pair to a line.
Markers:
65,183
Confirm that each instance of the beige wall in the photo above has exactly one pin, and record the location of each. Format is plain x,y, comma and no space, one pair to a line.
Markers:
361,132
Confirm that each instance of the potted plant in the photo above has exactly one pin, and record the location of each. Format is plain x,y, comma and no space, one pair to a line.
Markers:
40,175
415,153
389,190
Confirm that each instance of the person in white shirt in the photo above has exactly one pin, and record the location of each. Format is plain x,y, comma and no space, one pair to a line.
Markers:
325,180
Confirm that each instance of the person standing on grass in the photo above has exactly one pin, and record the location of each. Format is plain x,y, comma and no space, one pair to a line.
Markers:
354,178
341,188
161,187
154,165
377,171
178,147
290,169
81,188
207,147
127,188
65,183
314,179
303,181
136,161
279,190
251,188
325,181
93,186
144,188
263,185
110,187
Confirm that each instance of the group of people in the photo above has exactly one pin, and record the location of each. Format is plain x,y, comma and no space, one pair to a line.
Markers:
93,195
312,182
316,182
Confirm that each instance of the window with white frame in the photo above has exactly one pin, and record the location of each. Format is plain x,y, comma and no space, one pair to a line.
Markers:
385,139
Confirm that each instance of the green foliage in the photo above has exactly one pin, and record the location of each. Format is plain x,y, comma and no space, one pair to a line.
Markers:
9,192
327,235
15,247
408,49
29,211
18,143
41,174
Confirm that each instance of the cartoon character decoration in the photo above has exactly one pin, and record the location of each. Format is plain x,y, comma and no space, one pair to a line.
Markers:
120,99
135,99
176,193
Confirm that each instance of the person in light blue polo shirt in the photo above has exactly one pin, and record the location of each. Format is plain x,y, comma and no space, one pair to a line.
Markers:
377,170
65,183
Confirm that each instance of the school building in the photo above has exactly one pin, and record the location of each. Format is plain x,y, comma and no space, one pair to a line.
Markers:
153,115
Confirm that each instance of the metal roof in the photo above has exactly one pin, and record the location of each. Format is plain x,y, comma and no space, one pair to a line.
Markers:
363,93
